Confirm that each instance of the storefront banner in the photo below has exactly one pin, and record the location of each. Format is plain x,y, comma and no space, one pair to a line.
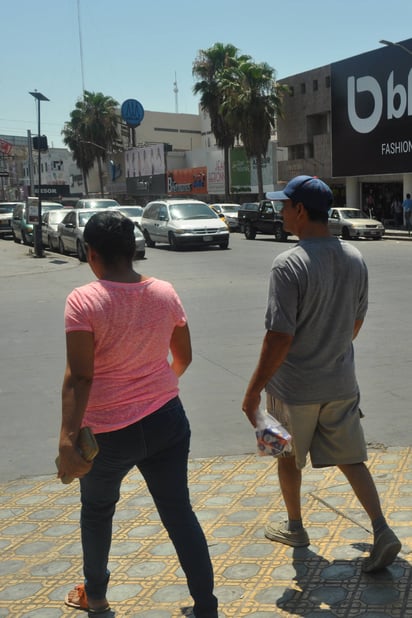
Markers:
215,172
188,181
239,171
145,161
371,98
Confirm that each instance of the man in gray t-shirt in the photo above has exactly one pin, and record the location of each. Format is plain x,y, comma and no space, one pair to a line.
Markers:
318,297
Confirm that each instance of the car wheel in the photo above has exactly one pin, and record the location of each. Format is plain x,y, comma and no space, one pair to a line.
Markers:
81,252
61,247
149,241
173,242
280,235
224,245
250,232
17,240
345,234
140,255
24,238
49,243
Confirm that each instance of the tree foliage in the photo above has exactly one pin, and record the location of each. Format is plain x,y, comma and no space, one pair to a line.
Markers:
91,131
242,99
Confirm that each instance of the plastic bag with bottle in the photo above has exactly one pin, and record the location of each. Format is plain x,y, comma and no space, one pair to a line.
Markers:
272,438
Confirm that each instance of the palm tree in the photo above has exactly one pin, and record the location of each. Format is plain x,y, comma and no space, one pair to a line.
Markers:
92,129
252,101
208,68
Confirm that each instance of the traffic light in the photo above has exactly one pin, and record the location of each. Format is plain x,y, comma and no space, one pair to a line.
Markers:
40,143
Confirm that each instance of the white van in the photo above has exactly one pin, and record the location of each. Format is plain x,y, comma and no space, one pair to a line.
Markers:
183,222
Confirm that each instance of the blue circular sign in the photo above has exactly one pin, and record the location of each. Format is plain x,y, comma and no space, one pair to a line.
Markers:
132,112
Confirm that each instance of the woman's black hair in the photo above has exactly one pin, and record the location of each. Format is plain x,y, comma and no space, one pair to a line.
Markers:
111,234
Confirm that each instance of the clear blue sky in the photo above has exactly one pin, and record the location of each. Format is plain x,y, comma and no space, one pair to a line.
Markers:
133,48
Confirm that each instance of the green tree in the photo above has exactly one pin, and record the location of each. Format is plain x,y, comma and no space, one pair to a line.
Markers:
208,67
252,101
91,131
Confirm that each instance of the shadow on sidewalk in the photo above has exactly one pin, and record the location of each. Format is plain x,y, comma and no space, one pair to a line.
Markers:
341,587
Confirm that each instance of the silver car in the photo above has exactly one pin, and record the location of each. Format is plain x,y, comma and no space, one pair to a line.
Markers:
353,223
50,221
70,234
180,222
96,202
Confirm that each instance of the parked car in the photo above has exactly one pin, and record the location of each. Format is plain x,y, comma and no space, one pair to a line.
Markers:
21,228
91,202
353,223
180,222
6,216
70,234
229,213
133,212
50,221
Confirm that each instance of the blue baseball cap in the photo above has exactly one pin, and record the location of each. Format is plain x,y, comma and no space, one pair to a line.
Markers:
310,190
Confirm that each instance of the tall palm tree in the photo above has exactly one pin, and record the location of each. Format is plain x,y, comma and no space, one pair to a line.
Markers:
92,129
252,101
208,68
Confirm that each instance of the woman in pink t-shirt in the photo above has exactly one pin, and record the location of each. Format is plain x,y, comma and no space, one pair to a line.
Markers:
119,381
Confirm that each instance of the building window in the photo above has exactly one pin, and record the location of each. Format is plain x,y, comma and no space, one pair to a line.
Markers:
327,81
166,129
315,85
302,88
291,91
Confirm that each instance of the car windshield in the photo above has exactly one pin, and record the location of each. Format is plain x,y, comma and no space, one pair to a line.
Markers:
353,213
233,208
101,203
191,210
57,216
84,217
132,211
55,206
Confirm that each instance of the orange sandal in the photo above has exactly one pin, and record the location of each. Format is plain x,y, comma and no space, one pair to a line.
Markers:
81,602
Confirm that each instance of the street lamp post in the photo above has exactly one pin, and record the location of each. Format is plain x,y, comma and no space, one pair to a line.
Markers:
38,245
405,49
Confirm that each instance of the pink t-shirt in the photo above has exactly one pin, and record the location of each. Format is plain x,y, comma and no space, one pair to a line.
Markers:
132,324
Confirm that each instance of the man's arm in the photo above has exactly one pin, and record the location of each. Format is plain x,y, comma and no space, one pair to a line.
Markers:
275,348
77,383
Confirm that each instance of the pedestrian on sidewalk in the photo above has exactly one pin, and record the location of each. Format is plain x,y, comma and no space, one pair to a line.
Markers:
318,296
407,210
120,330
397,211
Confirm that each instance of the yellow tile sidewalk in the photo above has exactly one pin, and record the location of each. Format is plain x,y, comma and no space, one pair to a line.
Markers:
233,497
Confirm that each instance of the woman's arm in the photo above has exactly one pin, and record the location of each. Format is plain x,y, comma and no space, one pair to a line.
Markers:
181,349
77,382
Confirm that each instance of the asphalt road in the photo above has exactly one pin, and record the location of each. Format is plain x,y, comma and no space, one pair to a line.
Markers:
224,293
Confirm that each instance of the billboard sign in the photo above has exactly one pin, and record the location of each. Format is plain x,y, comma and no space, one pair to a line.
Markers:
190,181
5,147
215,171
145,161
371,99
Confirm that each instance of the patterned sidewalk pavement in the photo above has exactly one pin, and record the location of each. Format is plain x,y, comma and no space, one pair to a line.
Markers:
234,497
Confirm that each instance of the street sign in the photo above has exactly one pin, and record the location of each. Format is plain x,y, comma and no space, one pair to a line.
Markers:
132,112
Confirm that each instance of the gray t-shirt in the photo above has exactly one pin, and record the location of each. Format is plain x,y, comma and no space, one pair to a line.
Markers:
317,290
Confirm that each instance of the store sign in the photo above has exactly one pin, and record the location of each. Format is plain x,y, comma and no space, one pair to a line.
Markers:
371,98
132,112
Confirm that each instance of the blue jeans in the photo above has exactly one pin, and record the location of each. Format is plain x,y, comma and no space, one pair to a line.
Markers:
159,446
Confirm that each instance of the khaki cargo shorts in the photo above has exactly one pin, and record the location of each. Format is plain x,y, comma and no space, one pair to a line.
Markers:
331,432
